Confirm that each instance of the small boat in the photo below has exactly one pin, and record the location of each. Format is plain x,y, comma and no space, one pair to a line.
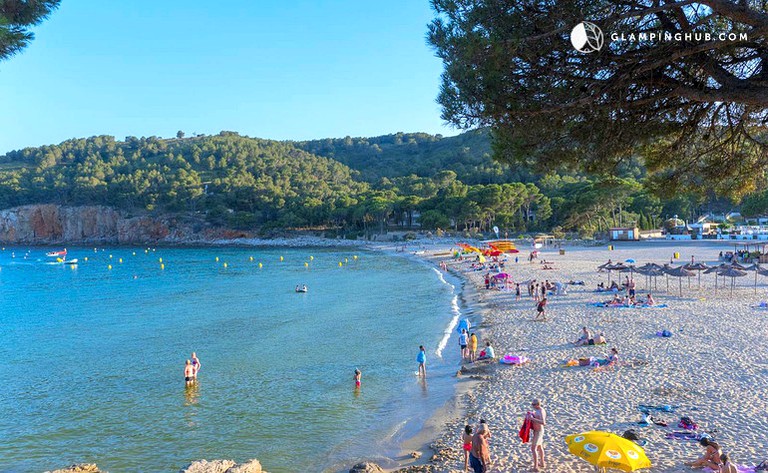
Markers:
57,254
71,261
301,289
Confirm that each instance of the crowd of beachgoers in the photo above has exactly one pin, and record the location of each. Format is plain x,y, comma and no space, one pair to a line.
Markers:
680,376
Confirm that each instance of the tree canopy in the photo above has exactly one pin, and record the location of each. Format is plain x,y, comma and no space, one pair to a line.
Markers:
694,107
16,17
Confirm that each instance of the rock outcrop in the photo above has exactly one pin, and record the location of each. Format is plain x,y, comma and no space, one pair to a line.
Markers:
52,224
223,466
79,468
366,467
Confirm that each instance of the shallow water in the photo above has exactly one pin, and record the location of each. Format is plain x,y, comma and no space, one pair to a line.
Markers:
92,358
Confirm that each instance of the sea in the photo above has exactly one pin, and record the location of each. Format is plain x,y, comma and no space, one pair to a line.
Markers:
92,356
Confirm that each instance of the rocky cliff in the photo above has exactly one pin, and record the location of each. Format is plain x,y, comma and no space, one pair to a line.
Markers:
54,224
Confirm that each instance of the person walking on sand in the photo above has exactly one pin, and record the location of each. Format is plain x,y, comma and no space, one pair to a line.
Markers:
357,378
518,295
195,364
480,454
464,343
472,347
421,359
189,373
539,419
466,444
541,310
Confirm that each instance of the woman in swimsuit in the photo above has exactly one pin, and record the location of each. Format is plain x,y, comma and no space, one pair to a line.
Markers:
711,457
195,364
466,440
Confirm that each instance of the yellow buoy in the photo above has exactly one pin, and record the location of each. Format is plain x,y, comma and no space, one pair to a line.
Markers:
109,266
134,253
146,252
355,257
217,259
86,258
281,258
346,260
160,260
311,258
225,265
110,256
340,264
260,265
162,266
120,260
306,265
251,258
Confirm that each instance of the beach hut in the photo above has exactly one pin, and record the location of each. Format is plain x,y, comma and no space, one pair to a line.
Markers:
624,234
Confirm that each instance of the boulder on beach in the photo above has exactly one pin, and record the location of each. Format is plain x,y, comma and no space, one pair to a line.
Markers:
366,467
223,466
80,468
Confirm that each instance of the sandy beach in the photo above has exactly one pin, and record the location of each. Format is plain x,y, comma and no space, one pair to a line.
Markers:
712,369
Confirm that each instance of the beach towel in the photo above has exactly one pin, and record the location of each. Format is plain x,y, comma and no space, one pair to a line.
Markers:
740,468
664,333
687,423
525,430
694,436
622,306
663,408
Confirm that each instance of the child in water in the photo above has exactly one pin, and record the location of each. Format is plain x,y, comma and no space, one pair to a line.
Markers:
357,378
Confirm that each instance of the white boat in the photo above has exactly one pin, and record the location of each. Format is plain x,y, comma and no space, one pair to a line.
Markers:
57,254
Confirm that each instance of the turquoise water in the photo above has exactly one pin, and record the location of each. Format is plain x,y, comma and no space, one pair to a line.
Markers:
91,359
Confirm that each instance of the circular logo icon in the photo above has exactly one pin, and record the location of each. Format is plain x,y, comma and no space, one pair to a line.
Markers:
578,439
613,454
586,37
632,454
591,448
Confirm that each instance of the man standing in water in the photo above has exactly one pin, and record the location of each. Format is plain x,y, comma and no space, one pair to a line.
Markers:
421,358
539,420
480,454
189,373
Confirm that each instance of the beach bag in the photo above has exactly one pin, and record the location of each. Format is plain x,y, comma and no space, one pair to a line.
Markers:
586,361
631,435
687,423
525,430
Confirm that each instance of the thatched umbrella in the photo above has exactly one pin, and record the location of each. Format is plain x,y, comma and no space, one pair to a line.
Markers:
737,266
699,267
758,270
717,269
732,273
680,272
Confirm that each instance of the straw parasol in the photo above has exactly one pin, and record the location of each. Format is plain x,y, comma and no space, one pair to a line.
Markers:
732,273
680,272
716,270
699,267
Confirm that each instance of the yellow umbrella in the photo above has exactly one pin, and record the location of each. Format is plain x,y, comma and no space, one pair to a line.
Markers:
607,450
482,258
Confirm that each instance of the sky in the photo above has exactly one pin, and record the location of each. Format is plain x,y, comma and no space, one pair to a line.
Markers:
278,69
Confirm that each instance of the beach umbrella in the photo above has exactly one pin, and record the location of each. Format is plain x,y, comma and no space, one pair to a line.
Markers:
732,273
699,267
502,276
607,450
679,272
716,269
630,260
756,268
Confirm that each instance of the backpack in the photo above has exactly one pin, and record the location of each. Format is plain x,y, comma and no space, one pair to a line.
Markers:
631,435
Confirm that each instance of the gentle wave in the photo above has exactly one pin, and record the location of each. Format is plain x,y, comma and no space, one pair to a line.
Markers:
451,325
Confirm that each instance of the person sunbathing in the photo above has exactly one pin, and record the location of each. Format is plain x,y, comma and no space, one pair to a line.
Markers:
599,339
649,301
600,287
584,337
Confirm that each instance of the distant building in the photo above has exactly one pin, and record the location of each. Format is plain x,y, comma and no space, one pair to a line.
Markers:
625,234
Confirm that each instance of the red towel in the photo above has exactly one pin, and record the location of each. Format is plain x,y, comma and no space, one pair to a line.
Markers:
525,430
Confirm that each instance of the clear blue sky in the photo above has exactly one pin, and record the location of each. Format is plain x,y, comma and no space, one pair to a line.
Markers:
281,69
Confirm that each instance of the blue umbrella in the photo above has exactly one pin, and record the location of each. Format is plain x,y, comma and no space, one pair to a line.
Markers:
629,260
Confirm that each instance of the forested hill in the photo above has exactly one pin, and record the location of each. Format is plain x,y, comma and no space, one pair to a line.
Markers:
402,154
230,179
